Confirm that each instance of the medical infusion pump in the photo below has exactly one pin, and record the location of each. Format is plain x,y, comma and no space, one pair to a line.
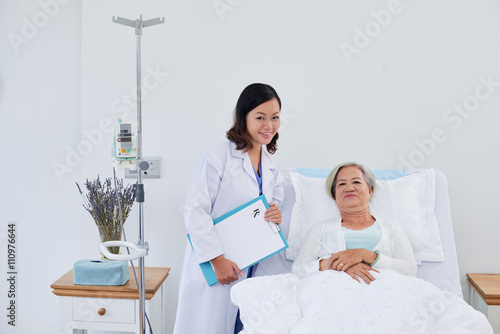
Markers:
124,142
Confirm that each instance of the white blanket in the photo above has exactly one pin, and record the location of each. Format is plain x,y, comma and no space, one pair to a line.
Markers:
332,302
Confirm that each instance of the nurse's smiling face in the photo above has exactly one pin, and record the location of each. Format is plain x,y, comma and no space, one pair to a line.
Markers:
263,122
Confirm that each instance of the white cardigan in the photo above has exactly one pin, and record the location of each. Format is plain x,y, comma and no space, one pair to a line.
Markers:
395,249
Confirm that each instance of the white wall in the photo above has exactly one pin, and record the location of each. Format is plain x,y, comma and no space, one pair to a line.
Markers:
40,116
380,106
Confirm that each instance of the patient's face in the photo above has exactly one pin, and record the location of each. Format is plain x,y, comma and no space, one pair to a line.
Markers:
352,193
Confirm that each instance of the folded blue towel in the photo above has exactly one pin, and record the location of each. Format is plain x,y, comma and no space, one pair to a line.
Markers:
100,272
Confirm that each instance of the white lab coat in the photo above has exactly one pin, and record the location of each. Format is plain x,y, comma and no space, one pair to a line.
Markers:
222,180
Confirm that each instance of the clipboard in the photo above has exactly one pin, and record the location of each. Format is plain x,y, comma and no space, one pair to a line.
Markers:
246,237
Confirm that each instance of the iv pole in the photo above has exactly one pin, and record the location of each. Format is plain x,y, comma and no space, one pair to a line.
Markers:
142,247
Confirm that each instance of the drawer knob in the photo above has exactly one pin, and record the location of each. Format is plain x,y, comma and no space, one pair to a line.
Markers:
101,311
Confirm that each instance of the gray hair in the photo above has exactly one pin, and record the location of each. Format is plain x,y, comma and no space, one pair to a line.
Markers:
332,177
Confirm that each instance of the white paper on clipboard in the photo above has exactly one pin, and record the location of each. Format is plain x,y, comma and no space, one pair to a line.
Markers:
246,237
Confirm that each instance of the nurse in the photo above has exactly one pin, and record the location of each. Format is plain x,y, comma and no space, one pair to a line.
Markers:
226,176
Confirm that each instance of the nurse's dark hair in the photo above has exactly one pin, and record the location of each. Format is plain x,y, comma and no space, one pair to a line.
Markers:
251,97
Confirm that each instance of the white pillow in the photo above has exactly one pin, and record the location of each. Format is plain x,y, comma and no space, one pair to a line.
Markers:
408,200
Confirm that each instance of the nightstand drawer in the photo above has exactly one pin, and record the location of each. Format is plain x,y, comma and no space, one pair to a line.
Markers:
104,310
81,306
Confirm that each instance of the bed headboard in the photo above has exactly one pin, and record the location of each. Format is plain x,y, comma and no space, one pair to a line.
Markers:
444,275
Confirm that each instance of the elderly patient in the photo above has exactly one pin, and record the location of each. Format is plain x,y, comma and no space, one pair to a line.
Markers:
357,243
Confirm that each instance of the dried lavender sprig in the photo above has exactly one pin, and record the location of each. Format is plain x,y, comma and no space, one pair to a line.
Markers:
100,201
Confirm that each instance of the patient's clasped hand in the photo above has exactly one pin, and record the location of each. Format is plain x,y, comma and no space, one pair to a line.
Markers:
359,243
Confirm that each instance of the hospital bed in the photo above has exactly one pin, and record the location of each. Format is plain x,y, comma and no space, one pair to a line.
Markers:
399,195
444,274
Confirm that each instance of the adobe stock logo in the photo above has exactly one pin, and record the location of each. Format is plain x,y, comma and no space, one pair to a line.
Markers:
224,6
31,27
454,117
363,37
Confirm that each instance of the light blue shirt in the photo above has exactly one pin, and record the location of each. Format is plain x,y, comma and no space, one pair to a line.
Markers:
258,176
367,238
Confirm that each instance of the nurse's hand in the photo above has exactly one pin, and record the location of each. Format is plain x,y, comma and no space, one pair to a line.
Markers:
273,214
226,270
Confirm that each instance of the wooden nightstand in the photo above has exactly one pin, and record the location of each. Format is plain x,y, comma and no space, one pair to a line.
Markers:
116,308
485,296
